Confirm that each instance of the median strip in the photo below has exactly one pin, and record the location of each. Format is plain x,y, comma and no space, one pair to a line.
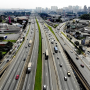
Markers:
38,78
51,31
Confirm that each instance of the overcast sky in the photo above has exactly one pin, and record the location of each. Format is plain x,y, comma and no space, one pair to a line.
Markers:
32,4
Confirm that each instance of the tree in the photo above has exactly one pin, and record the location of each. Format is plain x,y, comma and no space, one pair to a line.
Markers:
85,16
10,44
0,55
77,43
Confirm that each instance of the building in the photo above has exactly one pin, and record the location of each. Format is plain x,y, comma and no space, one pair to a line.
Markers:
54,8
88,9
85,42
85,8
39,9
5,28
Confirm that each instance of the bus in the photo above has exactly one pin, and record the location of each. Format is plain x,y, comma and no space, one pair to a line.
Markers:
46,54
55,49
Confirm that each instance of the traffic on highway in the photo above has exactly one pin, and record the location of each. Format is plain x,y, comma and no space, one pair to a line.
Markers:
60,64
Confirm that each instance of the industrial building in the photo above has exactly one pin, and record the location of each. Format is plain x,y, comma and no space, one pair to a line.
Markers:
6,28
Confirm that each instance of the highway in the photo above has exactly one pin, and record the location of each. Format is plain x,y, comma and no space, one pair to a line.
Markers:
84,71
49,75
71,83
54,69
46,73
10,81
59,59
30,78
9,57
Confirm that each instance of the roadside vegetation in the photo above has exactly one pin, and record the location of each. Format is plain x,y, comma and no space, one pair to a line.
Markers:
38,78
55,25
79,51
5,48
10,41
51,30
28,30
85,16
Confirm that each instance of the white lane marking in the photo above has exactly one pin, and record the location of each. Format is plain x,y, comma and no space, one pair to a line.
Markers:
46,74
9,80
28,86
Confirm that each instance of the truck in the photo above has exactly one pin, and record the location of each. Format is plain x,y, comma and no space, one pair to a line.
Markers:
29,44
29,68
18,41
46,54
52,41
21,40
58,28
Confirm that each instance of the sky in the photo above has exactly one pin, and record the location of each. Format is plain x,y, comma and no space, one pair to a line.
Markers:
32,4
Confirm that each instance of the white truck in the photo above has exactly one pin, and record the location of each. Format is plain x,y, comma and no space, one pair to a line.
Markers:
30,42
29,67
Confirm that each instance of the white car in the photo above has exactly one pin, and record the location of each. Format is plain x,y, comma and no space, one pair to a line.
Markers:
68,73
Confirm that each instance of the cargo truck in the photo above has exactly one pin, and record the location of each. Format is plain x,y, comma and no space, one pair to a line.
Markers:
29,68
29,44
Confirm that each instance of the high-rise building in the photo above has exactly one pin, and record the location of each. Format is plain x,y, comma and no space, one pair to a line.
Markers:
85,8
88,9
54,8
39,9
70,8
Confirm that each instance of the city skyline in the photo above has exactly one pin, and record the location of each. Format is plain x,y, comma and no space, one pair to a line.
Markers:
41,3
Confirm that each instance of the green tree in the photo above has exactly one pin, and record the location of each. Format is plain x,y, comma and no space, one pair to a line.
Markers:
77,43
0,55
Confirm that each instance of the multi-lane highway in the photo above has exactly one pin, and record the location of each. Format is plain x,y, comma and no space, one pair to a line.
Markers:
84,73
55,68
17,68
46,72
30,78
61,72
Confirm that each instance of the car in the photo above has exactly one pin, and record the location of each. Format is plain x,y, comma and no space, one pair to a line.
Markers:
43,52
60,65
65,78
57,57
77,58
56,45
7,61
25,46
82,65
17,76
24,59
44,87
68,73
71,51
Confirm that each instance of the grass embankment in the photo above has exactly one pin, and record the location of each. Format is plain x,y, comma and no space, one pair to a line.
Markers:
55,25
10,41
38,78
3,53
79,50
3,21
28,30
51,31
